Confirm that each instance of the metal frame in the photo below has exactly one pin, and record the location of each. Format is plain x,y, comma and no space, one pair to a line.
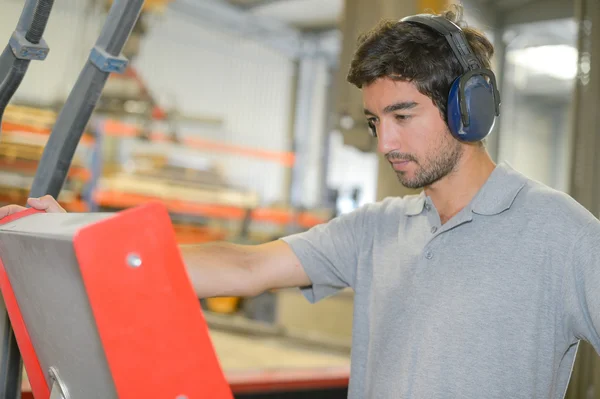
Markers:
82,99
50,176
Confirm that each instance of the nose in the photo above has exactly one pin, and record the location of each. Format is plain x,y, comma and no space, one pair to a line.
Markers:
387,139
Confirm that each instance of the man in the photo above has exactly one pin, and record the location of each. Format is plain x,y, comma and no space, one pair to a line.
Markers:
479,287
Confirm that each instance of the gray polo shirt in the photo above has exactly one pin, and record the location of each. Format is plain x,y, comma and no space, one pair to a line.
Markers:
492,304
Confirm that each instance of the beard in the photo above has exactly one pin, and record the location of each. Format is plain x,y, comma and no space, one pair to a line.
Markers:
437,164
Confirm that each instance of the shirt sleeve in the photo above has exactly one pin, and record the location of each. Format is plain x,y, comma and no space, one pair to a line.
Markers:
581,287
329,253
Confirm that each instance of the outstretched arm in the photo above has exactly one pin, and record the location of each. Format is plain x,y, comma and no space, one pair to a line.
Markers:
220,268
225,269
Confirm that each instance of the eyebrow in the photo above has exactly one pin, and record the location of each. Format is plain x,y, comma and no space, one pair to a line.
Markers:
395,107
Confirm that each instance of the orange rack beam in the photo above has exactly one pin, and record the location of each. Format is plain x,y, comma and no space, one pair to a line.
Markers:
119,129
113,199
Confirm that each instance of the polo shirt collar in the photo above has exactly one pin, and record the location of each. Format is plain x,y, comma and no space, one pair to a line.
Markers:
415,204
499,191
495,196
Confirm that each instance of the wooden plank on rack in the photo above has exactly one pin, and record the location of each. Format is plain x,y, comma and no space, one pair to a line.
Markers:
120,129
24,129
165,190
122,200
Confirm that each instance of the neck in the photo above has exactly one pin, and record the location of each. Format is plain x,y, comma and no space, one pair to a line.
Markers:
457,189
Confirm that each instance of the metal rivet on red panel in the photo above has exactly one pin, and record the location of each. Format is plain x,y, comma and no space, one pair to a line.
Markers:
134,260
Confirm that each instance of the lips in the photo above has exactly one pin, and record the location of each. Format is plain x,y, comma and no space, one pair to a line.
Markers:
399,165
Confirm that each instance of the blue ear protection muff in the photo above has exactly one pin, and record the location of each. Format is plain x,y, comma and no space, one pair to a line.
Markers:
473,100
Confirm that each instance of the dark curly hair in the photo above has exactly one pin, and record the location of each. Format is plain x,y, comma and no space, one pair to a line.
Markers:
416,54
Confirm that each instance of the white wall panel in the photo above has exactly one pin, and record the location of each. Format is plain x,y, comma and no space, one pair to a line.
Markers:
217,74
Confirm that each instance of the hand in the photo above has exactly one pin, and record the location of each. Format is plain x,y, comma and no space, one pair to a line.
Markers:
45,203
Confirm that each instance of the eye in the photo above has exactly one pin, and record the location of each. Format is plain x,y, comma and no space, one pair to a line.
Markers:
402,118
372,127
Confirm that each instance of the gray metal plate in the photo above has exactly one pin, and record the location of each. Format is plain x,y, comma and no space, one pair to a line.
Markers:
37,252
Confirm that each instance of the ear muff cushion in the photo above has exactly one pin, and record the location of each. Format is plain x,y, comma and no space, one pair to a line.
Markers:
454,117
480,109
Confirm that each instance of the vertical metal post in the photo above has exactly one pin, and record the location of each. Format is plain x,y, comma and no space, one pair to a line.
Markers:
585,170
10,358
289,172
96,162
302,123
585,164
329,125
494,140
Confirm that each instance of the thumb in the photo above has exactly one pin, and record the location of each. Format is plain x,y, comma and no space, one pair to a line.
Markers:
45,203
37,203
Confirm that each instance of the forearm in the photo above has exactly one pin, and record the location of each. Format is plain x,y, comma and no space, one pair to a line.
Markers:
221,269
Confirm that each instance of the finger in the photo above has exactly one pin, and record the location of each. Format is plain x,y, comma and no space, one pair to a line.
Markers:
9,210
37,203
53,205
45,203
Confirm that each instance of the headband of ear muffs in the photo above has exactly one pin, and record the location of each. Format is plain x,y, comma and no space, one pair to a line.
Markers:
473,100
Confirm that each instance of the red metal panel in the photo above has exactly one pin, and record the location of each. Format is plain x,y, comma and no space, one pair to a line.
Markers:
39,387
149,319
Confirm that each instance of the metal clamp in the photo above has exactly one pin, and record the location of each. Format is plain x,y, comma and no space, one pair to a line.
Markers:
106,62
59,389
25,50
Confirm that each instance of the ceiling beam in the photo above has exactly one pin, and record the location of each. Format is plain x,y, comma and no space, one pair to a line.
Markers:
293,43
249,5
225,16
538,11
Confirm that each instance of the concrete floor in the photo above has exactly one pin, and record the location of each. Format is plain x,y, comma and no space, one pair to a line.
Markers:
237,352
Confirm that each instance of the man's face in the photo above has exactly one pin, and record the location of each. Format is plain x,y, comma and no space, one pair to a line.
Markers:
411,133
